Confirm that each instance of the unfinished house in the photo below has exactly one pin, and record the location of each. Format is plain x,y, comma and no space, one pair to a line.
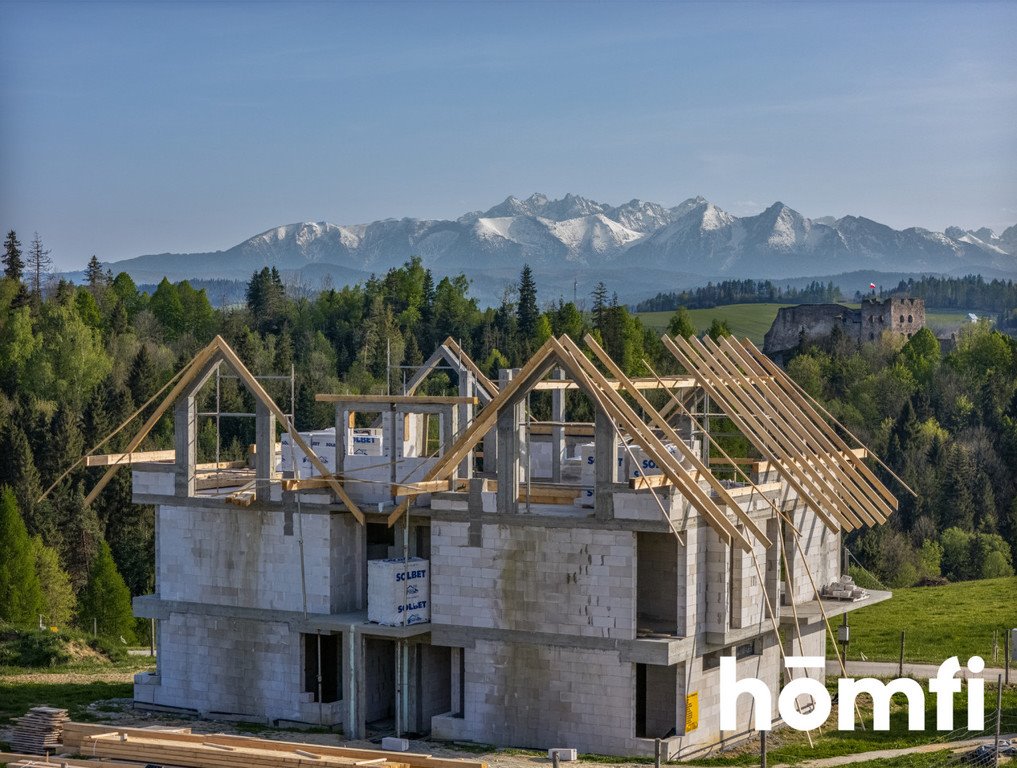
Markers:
468,571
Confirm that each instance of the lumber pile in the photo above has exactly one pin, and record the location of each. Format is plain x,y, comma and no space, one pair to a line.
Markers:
209,754
198,750
39,732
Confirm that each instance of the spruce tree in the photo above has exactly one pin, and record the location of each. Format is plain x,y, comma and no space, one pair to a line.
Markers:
94,275
14,264
142,380
39,263
17,470
599,305
65,446
105,601
57,594
527,312
81,533
20,595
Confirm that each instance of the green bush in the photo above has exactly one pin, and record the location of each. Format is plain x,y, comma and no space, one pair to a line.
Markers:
33,649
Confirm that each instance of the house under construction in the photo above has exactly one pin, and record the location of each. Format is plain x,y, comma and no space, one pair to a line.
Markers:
454,566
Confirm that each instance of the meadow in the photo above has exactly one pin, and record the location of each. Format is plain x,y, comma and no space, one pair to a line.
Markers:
754,320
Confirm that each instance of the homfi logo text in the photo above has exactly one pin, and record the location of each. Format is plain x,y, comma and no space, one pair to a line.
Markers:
944,685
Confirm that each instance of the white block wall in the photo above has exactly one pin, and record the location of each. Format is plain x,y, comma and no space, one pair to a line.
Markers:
242,558
562,580
229,666
154,483
822,553
535,696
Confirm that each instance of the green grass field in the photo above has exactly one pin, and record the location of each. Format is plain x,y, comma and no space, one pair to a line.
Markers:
17,698
754,320
938,622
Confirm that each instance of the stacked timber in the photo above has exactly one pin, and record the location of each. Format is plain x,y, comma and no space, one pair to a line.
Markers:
199,750
39,732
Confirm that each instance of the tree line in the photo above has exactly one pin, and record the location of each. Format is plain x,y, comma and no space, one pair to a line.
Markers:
739,292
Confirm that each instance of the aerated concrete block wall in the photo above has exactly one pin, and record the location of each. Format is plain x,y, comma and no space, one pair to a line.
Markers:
538,696
570,581
748,604
227,665
821,548
242,558
766,666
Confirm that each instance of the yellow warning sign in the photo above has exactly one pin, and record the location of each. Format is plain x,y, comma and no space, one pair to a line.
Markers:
691,711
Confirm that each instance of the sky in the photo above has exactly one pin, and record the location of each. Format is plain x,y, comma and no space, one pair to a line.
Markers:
130,128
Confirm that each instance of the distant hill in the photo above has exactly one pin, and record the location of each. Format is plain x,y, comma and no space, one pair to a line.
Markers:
636,248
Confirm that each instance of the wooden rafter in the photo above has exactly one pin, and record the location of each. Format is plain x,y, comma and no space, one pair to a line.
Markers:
832,518
619,410
668,431
219,349
765,405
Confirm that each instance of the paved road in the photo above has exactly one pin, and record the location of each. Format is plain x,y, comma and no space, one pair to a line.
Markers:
916,671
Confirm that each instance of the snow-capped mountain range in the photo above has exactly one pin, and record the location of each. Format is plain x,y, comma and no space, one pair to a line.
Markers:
637,247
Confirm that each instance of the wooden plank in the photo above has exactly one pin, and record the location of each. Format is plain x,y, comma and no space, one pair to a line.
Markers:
429,486
227,479
395,399
109,459
197,363
571,430
668,431
644,382
74,734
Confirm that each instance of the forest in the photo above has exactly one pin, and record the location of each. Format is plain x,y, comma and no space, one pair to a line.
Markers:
77,360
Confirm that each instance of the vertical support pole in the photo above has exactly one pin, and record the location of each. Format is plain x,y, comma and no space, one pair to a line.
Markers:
185,438
999,718
1006,660
151,637
399,693
449,420
605,465
656,753
354,688
900,665
394,439
467,388
264,457
762,749
558,430
342,439
508,469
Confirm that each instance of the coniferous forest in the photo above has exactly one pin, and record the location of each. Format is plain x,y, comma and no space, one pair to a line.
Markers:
77,360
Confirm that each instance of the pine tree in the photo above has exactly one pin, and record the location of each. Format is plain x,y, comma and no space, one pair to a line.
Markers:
142,380
18,471
57,595
599,305
81,533
94,275
527,312
65,446
39,263
20,594
681,324
105,599
14,264
130,533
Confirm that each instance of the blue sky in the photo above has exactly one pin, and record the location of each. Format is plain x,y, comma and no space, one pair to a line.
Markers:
131,128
